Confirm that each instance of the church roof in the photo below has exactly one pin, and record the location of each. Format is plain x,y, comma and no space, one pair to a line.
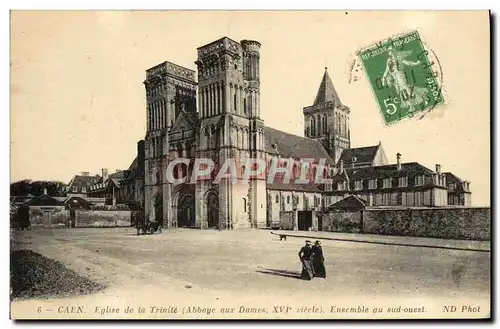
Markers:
297,147
327,92
133,165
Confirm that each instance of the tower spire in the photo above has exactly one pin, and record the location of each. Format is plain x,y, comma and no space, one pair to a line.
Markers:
326,91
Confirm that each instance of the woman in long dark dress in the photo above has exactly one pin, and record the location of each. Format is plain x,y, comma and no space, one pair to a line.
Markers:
318,260
305,255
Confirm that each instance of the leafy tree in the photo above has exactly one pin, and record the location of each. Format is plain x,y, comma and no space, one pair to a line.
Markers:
36,188
20,188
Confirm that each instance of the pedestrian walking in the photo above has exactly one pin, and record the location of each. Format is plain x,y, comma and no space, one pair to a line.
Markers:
318,260
305,256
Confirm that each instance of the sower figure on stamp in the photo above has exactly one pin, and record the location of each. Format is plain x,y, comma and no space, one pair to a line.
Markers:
305,255
318,260
394,76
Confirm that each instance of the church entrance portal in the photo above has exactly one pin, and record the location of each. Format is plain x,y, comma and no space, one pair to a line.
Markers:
159,208
213,210
186,211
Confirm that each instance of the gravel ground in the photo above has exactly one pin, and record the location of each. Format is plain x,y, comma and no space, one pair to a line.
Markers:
184,267
35,276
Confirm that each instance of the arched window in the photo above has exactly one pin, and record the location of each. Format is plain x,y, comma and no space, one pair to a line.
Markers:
324,124
234,100
344,123
288,199
244,205
277,198
318,118
313,128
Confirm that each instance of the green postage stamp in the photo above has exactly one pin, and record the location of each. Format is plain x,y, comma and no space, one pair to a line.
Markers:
402,77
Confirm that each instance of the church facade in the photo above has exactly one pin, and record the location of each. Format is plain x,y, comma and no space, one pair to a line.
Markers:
214,113
225,125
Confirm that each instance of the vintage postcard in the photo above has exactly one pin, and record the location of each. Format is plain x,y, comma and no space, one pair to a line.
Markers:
250,165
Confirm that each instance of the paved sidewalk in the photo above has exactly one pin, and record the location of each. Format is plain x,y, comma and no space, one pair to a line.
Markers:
482,246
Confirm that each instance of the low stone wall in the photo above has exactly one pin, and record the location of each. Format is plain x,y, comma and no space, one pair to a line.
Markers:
465,223
38,216
349,222
102,218
287,220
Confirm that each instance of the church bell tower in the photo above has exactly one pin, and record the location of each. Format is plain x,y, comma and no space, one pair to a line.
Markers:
327,120
230,130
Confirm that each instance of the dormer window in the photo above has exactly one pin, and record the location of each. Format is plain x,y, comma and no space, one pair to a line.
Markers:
275,147
354,159
358,185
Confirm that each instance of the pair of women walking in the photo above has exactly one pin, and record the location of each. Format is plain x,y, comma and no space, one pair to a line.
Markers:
313,261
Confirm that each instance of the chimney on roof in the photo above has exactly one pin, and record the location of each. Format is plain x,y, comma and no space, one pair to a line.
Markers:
85,173
104,174
398,157
118,170
341,166
438,169
45,191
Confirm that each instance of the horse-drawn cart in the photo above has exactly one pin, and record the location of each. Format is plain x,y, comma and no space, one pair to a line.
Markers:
146,226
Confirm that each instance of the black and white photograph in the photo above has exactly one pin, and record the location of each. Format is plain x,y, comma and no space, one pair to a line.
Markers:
169,164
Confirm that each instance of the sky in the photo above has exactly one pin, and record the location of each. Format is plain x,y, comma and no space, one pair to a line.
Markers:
78,99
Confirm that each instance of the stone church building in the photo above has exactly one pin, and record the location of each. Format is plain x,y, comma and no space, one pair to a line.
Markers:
215,113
